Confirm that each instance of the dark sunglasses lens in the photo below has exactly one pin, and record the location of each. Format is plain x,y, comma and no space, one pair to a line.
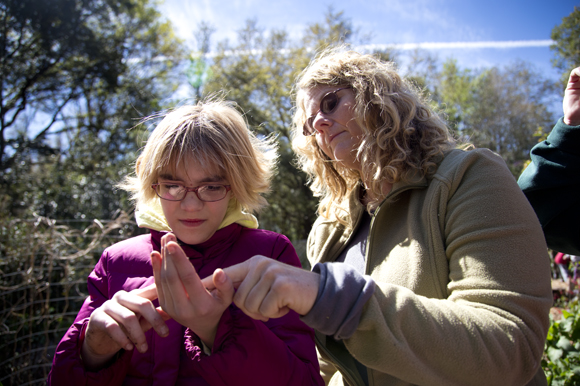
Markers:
307,129
328,103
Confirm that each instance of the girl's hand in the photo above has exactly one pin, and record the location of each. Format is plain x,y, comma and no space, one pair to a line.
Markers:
121,323
182,294
269,289
571,102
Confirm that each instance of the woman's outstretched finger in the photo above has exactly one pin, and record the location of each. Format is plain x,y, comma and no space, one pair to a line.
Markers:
236,274
224,288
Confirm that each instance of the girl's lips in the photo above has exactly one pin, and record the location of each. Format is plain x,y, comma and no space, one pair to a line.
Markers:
192,223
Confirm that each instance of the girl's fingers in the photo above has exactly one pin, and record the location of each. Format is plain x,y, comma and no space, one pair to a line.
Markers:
181,291
119,334
156,264
104,336
144,309
172,287
105,333
128,322
148,292
188,277
164,275
129,310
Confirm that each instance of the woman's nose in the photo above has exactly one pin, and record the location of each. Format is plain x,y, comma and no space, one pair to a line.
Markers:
321,122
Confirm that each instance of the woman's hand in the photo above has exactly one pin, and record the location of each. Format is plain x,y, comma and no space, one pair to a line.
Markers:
182,294
121,323
571,102
269,289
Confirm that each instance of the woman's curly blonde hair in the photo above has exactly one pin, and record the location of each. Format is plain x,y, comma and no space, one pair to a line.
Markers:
403,138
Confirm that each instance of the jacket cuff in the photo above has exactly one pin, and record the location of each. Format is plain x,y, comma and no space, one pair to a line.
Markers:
565,137
192,345
115,369
337,311
196,349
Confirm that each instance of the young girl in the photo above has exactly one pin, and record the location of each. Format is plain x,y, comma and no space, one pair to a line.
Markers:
197,180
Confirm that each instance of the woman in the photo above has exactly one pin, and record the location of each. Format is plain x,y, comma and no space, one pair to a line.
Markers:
429,265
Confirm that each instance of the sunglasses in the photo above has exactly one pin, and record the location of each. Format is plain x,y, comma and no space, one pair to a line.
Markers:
328,105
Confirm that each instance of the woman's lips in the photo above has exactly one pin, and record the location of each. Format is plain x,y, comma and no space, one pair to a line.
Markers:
192,223
332,137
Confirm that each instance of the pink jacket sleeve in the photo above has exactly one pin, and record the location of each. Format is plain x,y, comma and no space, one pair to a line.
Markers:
67,366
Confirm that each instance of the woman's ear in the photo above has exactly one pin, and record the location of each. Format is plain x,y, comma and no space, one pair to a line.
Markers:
137,166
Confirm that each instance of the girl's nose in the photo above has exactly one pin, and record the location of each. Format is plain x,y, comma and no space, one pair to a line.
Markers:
191,202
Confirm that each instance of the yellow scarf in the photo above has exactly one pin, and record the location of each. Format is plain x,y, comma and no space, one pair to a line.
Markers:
151,216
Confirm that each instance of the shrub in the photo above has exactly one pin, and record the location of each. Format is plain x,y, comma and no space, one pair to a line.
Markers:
561,361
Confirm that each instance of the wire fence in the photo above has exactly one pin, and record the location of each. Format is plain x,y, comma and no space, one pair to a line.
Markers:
44,265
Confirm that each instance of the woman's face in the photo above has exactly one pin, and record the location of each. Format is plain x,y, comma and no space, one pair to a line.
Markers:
194,221
337,133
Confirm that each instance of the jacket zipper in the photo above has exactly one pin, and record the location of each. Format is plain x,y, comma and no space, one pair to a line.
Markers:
343,370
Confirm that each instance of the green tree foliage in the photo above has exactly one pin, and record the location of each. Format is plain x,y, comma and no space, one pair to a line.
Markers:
567,44
455,94
502,109
259,73
198,70
75,76
508,107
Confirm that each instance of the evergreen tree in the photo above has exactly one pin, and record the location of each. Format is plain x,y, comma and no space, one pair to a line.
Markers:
75,76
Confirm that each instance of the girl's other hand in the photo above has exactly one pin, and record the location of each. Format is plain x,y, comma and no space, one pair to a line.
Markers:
121,322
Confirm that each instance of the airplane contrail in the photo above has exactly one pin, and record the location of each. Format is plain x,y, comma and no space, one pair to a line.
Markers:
507,44
454,45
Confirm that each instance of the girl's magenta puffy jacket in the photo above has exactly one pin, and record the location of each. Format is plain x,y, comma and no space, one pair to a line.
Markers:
246,351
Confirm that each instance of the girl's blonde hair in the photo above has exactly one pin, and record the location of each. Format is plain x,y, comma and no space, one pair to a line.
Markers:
403,138
214,135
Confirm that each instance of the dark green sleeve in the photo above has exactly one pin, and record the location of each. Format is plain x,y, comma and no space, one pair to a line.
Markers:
552,184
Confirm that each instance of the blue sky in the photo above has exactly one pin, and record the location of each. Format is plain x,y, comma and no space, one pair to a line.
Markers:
398,22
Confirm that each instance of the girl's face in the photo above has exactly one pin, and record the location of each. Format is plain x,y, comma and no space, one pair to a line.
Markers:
194,221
